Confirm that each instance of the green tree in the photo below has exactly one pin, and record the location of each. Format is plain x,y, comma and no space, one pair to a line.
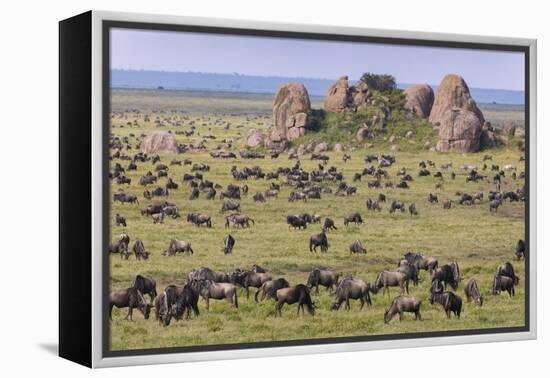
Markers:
378,82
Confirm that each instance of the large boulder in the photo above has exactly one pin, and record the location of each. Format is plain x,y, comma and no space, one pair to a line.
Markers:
456,114
509,128
362,133
460,131
453,92
359,94
291,106
159,141
419,100
338,96
254,138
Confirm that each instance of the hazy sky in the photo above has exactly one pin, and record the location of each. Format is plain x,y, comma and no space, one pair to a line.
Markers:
266,56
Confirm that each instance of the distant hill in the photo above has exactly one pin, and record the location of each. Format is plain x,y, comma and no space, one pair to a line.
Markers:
263,84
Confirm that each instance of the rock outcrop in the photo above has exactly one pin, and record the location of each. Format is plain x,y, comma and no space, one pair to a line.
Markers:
359,94
509,128
254,138
340,96
456,114
159,141
291,106
419,100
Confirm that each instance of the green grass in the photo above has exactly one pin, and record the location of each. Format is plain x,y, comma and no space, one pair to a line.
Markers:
477,239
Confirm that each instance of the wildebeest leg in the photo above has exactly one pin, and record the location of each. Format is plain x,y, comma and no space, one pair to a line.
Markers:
278,307
247,292
317,289
417,315
400,315
348,307
130,310
407,286
300,305
207,302
362,303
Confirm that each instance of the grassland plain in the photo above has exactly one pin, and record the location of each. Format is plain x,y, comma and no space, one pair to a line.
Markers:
477,239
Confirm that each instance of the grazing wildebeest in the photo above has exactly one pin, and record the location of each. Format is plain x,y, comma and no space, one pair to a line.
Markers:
472,292
258,197
204,273
249,279
158,218
125,198
231,206
228,244
507,270
145,286
329,225
350,288
296,196
353,218
357,247
448,300
177,246
421,262
397,205
120,220
447,204
502,283
269,289
296,222
194,194
163,305
318,240
199,219
238,220
211,194
432,198
520,249
131,298
121,247
494,204
209,289
403,304
410,270
140,251
186,301
171,211
412,209
326,278
297,294
386,279
448,274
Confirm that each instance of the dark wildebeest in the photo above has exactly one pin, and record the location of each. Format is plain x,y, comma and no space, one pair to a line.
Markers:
403,304
230,206
199,219
211,194
520,249
507,270
120,220
258,197
249,279
353,218
269,289
432,198
448,274
177,246
448,300
412,209
318,240
125,198
164,304
186,301
140,251
209,289
171,211
472,292
204,273
386,279
447,204
410,270
121,247
502,283
326,278
297,294
357,247
494,204
131,298
228,244
397,205
296,222
329,225
145,286
238,220
350,288
257,269
421,262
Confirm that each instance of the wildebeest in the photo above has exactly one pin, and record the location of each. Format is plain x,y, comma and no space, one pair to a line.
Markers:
448,300
228,244
158,218
297,294
230,206
353,218
199,219
209,289
403,304
357,247
472,292
397,205
171,211
119,246
410,270
125,198
258,197
507,270
329,225
296,221
447,204
520,249
269,289
131,298
323,277
448,274
145,286
318,240
249,279
177,246
432,198
120,220
140,251
238,220
204,273
350,288
386,279
502,283
186,301
494,205
412,209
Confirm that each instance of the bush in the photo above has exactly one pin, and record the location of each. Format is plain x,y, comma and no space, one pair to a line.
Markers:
378,82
